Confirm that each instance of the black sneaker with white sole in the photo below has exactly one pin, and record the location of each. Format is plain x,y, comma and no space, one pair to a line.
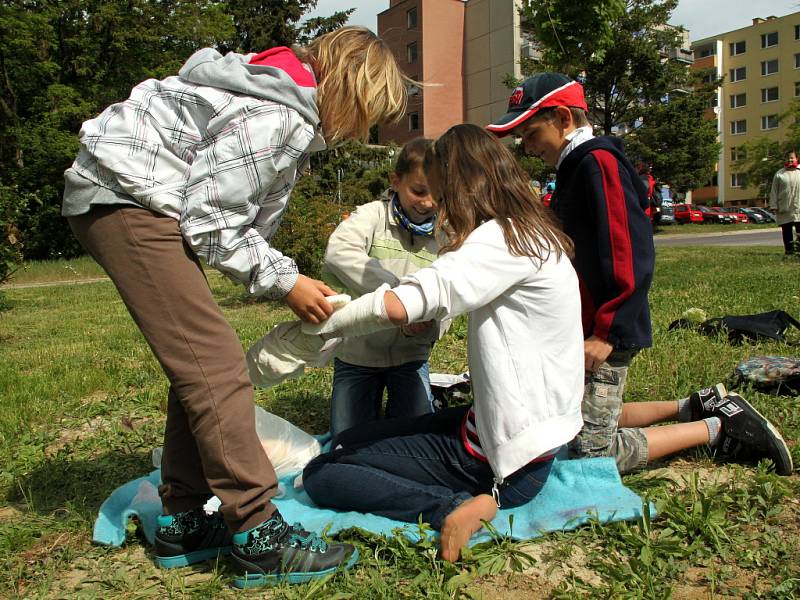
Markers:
703,402
747,435
189,537
276,552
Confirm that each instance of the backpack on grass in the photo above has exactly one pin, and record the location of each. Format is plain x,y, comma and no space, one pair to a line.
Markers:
765,326
778,375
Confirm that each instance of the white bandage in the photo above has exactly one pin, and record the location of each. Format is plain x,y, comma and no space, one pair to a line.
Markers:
362,316
285,352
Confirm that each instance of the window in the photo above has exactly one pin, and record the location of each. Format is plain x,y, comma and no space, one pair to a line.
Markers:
738,153
768,40
738,126
412,89
714,101
411,18
738,74
769,121
413,121
738,47
738,100
797,32
737,179
769,94
797,61
797,88
768,67
411,53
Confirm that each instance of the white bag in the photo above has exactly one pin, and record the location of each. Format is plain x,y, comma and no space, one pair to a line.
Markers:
288,447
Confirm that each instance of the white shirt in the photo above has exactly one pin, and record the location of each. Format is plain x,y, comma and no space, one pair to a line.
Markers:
525,342
575,139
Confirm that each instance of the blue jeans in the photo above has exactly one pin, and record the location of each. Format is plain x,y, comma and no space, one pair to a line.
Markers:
358,393
404,468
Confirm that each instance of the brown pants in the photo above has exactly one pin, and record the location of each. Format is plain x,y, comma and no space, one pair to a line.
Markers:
210,442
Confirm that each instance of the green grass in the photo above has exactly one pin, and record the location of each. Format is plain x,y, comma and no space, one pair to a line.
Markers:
57,270
81,406
701,228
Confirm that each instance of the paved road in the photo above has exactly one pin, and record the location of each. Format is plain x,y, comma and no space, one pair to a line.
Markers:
752,237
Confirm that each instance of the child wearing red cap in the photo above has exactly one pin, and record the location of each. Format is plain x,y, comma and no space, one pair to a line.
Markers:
601,201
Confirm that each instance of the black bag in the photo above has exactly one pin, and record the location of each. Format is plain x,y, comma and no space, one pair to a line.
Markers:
770,325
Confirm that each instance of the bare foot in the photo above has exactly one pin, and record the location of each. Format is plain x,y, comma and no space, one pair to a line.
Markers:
465,520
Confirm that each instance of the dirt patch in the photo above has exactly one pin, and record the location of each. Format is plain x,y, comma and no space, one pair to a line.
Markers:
71,435
9,513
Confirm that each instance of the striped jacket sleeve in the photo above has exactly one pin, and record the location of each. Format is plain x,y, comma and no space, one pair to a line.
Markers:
625,250
237,190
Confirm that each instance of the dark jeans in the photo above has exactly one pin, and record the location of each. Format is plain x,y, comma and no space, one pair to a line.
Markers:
407,467
358,393
788,243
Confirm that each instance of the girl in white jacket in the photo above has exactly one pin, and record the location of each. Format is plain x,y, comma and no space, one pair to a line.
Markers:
508,266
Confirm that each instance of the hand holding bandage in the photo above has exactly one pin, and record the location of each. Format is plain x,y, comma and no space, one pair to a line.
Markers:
362,316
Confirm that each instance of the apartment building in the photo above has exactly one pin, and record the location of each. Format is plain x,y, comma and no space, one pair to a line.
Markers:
461,52
761,69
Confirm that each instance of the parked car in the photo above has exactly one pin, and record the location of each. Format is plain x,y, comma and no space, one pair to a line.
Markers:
667,214
712,215
754,216
740,216
768,216
687,213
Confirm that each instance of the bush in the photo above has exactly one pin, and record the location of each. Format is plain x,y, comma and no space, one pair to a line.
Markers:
12,204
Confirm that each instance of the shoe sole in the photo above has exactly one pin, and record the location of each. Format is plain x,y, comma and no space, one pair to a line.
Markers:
783,462
253,580
190,558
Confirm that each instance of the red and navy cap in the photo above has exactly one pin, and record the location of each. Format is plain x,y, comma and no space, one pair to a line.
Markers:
535,93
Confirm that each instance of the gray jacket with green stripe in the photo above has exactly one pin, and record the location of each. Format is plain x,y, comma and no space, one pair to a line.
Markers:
365,251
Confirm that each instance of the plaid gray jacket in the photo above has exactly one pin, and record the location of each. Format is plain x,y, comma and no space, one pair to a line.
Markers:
222,164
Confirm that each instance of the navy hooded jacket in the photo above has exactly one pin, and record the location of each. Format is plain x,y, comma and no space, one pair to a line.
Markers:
601,203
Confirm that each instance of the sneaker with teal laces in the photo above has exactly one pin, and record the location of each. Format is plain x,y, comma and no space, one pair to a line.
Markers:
276,552
189,537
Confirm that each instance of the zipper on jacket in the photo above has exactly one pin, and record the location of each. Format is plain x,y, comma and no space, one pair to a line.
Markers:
496,491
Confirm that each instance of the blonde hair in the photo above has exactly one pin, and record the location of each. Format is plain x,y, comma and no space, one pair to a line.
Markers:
475,178
359,82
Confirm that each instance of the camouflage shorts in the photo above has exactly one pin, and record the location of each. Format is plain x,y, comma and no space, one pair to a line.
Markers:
602,408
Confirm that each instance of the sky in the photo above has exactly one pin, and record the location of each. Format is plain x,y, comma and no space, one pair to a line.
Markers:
703,18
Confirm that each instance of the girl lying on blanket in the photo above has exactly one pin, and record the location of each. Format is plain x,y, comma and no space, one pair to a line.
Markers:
507,265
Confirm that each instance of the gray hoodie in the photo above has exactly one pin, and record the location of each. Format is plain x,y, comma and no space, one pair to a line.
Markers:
218,148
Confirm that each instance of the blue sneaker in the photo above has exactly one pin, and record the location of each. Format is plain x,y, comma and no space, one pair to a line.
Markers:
189,537
276,552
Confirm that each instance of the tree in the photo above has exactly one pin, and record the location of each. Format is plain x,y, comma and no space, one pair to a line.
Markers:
262,24
620,49
763,156
64,61
616,48
677,140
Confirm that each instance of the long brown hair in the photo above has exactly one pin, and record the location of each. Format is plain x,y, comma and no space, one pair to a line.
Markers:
475,178
360,83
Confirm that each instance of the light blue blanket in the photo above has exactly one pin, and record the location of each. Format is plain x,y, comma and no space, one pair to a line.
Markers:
576,491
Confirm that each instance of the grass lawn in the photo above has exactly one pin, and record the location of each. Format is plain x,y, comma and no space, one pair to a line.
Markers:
701,228
81,407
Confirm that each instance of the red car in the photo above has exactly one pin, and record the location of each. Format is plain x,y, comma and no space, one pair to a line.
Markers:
687,213
714,215
740,216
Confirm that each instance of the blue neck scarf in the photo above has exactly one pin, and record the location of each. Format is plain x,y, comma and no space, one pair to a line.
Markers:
403,221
